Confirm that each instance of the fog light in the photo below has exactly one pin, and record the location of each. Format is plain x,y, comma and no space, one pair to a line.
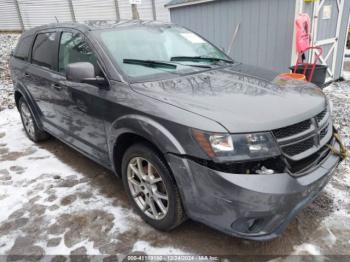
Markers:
248,225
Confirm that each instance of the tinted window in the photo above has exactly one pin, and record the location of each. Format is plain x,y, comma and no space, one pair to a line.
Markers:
23,46
73,48
44,50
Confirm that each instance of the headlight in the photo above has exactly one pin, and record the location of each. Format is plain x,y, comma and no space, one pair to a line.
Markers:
238,147
221,143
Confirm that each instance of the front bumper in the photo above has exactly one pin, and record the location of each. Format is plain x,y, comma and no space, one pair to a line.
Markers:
257,207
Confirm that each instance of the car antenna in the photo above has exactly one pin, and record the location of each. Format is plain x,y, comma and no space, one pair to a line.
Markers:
233,39
57,20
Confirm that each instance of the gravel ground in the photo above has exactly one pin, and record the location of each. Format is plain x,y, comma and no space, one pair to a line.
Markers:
7,43
55,201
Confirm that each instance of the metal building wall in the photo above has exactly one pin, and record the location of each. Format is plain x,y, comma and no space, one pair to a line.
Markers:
124,9
145,10
265,33
39,12
9,19
94,10
163,13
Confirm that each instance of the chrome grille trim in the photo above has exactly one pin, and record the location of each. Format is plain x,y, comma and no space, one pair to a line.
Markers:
321,116
328,134
300,147
293,130
319,157
304,144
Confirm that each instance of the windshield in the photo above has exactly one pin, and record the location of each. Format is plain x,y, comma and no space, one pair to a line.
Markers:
155,43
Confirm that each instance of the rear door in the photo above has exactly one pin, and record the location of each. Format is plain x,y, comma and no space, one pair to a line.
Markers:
41,75
19,63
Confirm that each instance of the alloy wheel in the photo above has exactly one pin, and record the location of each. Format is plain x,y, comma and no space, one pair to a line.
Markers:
28,121
147,188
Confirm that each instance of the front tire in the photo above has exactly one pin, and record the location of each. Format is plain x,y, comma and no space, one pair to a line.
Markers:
151,187
30,127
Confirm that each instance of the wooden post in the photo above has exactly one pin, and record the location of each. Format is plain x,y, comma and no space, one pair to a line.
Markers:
154,13
117,14
135,12
72,10
19,15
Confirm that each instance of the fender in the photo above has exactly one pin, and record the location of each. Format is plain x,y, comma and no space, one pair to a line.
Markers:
147,128
164,141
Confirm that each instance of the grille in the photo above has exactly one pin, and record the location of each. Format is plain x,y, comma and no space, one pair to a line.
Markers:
321,115
312,160
305,137
299,147
323,132
292,130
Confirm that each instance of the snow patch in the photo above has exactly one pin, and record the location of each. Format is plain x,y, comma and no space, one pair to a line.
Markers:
143,246
36,178
307,249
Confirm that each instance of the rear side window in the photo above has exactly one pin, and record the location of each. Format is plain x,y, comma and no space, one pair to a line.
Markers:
44,51
73,48
23,47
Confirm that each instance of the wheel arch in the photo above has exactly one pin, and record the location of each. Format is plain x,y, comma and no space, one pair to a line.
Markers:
131,129
21,92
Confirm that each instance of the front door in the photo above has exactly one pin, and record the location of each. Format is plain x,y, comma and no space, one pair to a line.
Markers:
80,109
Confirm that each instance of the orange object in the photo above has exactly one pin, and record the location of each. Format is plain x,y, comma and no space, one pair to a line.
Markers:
293,76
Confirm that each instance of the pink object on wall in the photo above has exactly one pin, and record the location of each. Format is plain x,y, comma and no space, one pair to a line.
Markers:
302,24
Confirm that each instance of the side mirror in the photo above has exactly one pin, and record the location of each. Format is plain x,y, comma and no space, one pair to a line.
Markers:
84,72
77,72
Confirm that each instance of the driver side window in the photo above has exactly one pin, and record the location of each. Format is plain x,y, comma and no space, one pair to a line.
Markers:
73,48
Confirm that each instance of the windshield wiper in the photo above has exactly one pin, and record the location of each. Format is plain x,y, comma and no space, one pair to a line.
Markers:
199,58
200,66
149,63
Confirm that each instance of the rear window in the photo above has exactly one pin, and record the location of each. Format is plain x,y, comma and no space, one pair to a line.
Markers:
44,51
23,47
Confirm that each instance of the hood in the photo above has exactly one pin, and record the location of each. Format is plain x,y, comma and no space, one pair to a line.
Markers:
242,98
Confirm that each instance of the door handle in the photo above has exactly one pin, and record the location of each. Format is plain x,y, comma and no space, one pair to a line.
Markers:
57,87
26,74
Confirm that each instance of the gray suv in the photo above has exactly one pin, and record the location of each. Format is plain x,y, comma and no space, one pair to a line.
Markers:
191,132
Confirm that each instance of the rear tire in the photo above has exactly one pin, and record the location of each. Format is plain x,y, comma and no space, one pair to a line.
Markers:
32,130
147,180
